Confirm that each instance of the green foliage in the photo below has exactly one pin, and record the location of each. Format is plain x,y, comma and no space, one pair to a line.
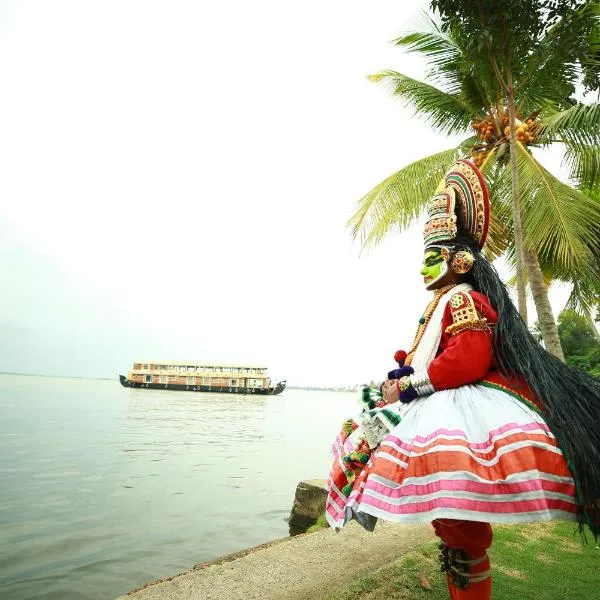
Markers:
580,346
321,523
545,41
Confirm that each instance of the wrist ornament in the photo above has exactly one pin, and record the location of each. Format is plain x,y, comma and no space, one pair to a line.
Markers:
407,392
421,382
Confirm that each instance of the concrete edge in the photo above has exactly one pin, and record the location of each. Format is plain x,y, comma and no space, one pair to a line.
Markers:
220,560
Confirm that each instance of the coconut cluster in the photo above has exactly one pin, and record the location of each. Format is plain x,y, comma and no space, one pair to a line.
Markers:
493,130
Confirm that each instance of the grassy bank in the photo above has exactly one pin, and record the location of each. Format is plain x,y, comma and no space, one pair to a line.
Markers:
530,562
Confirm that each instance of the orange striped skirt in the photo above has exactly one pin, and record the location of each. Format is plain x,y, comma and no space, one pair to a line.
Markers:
472,453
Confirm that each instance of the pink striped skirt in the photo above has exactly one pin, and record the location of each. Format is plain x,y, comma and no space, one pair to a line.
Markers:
472,453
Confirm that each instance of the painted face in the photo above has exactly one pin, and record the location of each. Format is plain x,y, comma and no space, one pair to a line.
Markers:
434,269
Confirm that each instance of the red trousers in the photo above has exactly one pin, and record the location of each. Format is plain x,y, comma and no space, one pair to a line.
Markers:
474,539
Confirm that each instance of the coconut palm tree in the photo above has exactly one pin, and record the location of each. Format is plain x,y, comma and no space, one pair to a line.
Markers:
462,95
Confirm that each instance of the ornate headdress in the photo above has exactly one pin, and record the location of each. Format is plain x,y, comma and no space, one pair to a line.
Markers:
460,206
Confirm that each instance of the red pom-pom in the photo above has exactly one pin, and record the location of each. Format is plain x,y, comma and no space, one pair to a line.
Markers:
400,357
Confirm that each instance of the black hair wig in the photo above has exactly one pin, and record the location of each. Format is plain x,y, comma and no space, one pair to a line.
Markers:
569,399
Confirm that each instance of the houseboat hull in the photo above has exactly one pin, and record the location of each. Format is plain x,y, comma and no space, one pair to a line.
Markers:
271,391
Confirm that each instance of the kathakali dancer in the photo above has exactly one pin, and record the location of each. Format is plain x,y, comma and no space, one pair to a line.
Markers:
478,424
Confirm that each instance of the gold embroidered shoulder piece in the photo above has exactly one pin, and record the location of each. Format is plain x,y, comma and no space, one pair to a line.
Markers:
465,315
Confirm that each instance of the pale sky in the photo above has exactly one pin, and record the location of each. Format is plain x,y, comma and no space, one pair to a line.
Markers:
176,178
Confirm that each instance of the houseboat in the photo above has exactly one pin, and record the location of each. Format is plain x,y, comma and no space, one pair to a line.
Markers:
202,377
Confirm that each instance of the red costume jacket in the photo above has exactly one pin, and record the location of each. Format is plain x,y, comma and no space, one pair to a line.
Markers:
465,354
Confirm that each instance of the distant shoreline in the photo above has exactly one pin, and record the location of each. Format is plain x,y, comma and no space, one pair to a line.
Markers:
314,388
311,388
55,376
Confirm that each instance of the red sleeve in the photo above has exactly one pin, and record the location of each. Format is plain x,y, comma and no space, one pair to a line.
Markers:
466,348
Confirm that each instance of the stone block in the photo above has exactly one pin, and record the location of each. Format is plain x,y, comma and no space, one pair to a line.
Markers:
309,505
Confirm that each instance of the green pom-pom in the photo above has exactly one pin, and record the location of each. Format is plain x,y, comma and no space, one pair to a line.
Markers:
347,459
347,489
422,321
363,457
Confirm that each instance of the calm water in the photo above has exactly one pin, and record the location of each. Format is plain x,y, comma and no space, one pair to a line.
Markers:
105,488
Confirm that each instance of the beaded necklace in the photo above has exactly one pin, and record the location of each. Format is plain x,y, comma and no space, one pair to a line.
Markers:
425,319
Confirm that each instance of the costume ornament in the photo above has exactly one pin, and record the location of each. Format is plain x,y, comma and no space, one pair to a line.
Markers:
462,262
462,205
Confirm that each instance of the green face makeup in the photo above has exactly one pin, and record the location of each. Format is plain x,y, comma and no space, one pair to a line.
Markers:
434,267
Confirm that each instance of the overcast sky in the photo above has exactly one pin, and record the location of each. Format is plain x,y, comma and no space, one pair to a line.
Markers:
176,178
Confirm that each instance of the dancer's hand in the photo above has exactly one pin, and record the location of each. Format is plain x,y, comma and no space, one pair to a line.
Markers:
390,391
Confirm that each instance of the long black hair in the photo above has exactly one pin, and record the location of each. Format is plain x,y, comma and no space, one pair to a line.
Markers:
569,398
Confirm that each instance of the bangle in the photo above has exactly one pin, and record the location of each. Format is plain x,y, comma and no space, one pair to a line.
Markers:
403,383
422,383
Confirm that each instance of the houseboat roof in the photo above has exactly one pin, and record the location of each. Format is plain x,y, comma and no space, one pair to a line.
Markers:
201,363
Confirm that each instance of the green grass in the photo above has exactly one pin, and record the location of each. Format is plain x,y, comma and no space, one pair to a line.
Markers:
321,523
542,561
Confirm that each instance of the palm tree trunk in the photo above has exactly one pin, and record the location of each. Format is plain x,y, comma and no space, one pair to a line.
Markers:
516,201
539,291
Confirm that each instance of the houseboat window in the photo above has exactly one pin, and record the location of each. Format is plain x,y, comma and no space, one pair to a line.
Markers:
206,381
191,368
191,380
144,366
162,379
148,378
233,382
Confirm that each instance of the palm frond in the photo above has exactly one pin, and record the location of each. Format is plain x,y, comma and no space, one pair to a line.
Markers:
445,112
450,67
583,163
584,297
430,41
398,201
557,217
576,126
549,73
475,94
500,231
